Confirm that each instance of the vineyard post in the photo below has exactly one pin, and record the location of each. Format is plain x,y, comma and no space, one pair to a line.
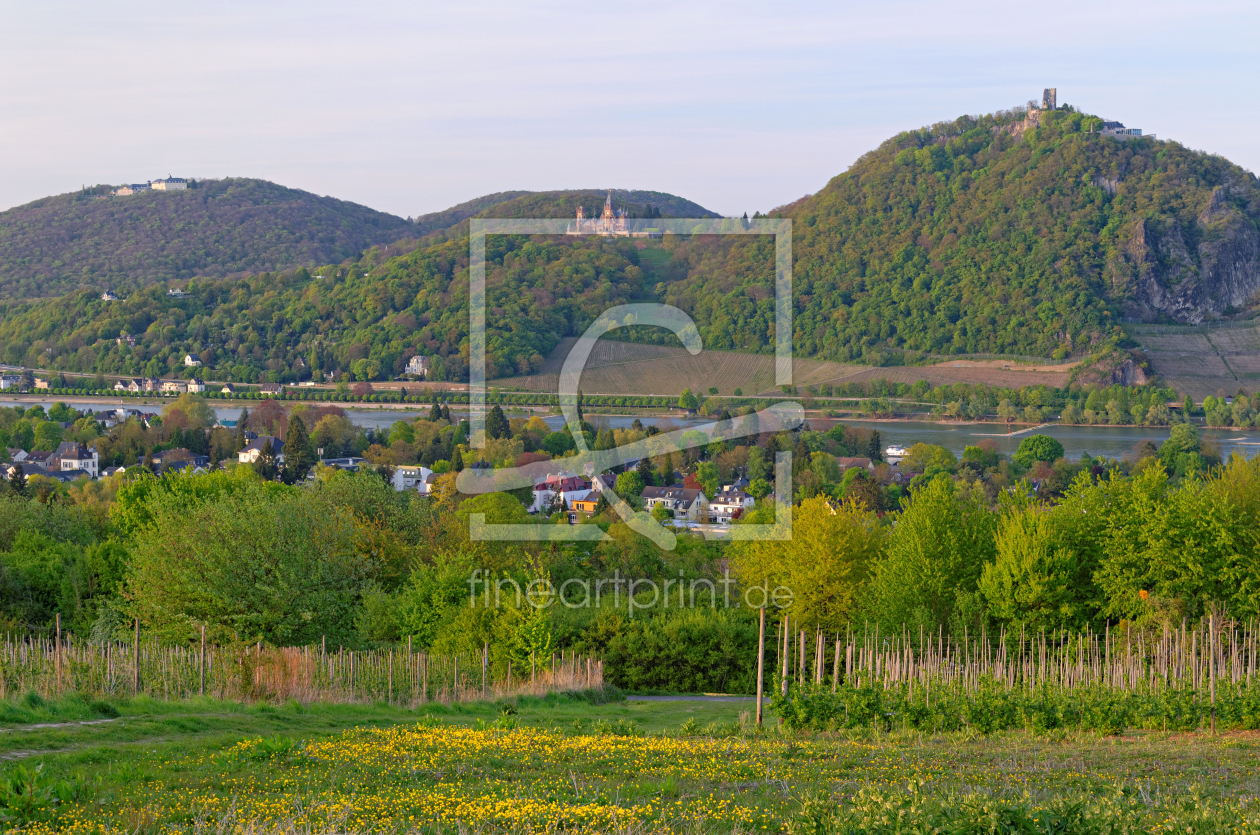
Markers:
787,637
800,674
57,654
485,659
136,657
455,687
202,662
390,692
1212,664
761,662
531,667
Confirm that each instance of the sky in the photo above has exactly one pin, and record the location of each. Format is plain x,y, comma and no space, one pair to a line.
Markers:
740,106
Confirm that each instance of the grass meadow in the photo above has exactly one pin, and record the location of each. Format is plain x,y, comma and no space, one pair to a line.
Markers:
573,763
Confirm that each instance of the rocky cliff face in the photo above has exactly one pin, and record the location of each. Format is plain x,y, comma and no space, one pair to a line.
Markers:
1159,273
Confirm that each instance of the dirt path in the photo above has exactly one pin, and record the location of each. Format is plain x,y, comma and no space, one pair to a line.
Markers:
57,725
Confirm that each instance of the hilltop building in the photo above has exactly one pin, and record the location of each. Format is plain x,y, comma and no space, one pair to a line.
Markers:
611,224
1117,130
169,184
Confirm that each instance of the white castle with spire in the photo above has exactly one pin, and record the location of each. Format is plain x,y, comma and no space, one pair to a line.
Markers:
611,224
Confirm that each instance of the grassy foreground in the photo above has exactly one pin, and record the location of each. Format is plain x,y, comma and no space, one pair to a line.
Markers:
569,764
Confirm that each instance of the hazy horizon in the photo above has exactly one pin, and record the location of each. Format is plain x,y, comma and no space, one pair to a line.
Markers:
738,106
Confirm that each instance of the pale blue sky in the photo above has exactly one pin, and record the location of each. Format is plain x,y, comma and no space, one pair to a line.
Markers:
412,107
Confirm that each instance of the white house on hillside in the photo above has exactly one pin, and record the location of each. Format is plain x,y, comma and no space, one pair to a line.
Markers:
408,477
730,504
417,365
191,361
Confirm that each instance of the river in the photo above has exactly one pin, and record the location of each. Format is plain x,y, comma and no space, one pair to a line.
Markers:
1108,441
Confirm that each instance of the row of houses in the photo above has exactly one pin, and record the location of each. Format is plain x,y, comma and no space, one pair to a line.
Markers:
581,496
152,385
69,461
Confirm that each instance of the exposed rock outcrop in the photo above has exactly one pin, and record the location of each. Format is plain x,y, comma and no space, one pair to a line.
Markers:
1128,373
1157,273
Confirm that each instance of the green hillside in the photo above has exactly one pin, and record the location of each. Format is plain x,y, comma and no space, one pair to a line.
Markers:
434,221
997,235
1006,234
59,244
366,318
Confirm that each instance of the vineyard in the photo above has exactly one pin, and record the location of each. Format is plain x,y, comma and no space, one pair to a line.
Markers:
50,667
1178,679
627,368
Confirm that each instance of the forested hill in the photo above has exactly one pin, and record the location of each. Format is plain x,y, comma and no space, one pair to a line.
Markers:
1011,233
560,204
88,239
973,233
396,300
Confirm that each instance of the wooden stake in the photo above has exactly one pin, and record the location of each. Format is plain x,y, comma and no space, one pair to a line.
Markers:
57,654
136,682
787,643
202,663
761,662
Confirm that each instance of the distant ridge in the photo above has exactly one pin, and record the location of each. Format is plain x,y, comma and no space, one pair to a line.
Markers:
88,239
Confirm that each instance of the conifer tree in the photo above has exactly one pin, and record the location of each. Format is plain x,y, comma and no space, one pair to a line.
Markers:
299,455
265,465
497,423
240,430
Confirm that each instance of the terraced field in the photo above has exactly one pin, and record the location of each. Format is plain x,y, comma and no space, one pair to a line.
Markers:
1200,361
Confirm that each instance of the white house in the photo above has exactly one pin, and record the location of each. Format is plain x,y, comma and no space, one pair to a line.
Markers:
191,361
410,477
254,449
417,365
729,504
169,184
196,385
683,502
10,381
107,296
566,486
176,292
76,456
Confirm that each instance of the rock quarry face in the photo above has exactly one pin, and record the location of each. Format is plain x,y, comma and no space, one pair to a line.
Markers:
1192,275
